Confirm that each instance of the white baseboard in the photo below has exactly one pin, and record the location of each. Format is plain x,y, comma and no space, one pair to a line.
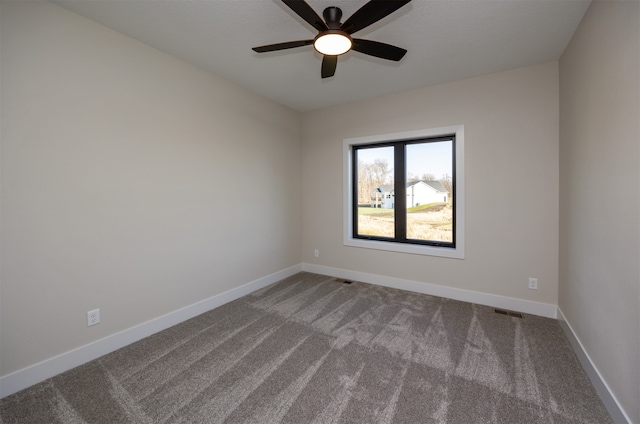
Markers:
610,402
39,372
496,301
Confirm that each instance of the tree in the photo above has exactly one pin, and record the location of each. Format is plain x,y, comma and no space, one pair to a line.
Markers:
370,177
364,182
447,183
380,172
411,177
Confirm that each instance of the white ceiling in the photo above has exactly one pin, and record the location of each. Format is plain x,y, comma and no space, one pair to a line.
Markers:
447,40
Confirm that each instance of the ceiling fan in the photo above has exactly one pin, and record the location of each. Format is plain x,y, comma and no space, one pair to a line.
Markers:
334,38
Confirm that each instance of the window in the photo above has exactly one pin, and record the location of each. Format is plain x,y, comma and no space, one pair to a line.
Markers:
405,192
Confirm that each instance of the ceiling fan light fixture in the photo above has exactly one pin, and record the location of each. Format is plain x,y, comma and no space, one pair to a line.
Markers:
334,38
333,42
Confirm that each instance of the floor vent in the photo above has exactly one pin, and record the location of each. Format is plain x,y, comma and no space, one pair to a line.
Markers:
343,281
509,313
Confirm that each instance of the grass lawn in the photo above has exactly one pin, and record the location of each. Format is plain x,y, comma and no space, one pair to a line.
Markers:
432,221
374,211
382,211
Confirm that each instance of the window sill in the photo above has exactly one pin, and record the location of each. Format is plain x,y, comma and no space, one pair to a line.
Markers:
443,252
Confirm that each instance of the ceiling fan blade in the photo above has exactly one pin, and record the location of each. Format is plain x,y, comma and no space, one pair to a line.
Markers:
329,64
371,13
305,11
377,49
282,46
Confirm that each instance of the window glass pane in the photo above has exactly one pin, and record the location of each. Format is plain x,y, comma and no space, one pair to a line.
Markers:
429,167
376,198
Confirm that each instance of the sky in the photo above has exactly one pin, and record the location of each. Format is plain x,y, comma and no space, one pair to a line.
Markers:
425,158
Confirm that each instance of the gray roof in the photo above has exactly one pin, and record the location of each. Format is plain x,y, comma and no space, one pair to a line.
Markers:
436,185
386,188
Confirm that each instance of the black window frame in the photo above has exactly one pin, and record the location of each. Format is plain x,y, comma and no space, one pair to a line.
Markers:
400,190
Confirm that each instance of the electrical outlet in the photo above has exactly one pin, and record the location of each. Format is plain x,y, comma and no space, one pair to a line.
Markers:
316,253
93,317
533,283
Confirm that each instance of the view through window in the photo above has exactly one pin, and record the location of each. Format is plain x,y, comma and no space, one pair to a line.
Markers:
404,191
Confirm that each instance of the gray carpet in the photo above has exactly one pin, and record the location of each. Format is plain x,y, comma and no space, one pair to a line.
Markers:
310,349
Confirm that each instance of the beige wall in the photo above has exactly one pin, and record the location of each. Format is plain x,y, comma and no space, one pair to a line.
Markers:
511,153
600,200
131,182
125,175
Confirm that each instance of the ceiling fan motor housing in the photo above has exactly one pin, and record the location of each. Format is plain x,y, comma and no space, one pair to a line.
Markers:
332,16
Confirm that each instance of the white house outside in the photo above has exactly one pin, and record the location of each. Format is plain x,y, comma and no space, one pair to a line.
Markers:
418,193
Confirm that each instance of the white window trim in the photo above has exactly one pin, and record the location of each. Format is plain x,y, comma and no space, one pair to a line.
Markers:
455,253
